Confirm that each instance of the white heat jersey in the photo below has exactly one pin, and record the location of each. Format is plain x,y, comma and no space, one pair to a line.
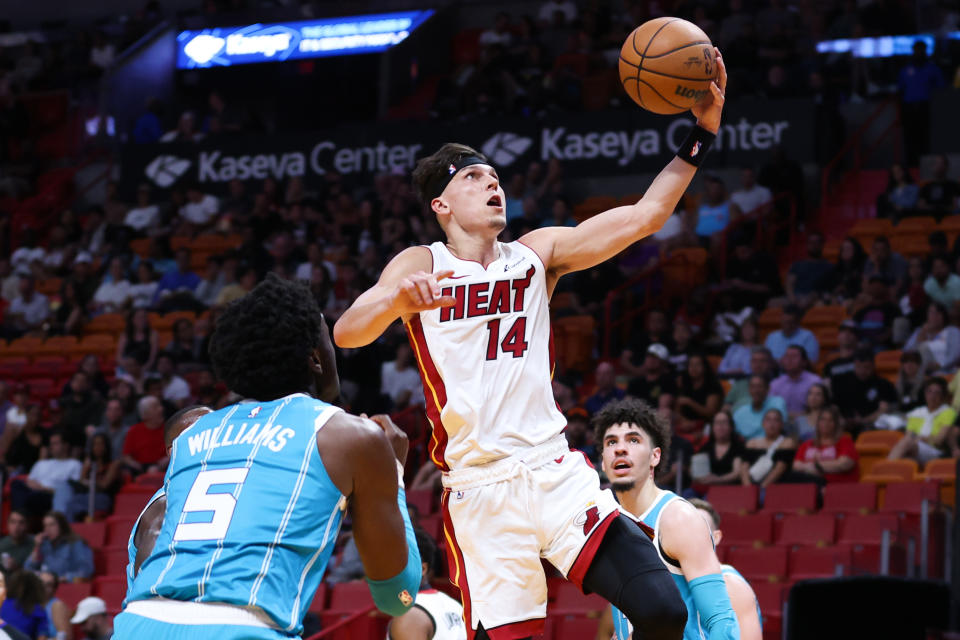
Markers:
486,362
446,613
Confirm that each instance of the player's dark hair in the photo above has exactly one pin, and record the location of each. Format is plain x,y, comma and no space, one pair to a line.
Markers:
263,340
428,550
435,164
638,412
706,506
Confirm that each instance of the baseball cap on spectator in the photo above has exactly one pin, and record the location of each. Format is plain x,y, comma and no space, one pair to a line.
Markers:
659,350
91,606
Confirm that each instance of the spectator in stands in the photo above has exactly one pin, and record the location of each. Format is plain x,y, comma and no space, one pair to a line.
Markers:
578,434
232,291
500,32
38,491
138,340
792,385
847,280
113,426
29,311
114,292
885,263
102,52
656,331
942,286
16,415
916,81
874,313
185,346
841,361
766,458
92,614
548,11
863,396
177,286
400,381
748,418
805,424
791,333
683,346
752,276
938,344
5,405
699,397
23,444
941,195
761,363
144,449
176,390
657,382
70,314
9,281
807,279
909,383
715,212
900,198
606,392
783,174
145,289
23,608
81,406
101,462
736,359
931,432
211,284
58,549
830,456
200,209
186,130
752,198
17,545
144,217
913,303
725,451
58,613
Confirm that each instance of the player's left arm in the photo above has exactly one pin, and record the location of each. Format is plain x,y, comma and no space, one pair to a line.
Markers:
685,536
566,249
147,531
744,603
415,624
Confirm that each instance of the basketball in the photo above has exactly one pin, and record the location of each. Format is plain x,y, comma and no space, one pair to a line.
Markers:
667,65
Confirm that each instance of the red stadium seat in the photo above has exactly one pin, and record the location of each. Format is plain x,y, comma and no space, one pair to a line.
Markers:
113,561
112,589
733,499
319,602
571,600
422,499
791,498
768,564
73,592
153,479
432,524
751,529
576,627
811,562
93,532
816,530
118,531
866,529
131,503
770,598
347,598
907,497
850,497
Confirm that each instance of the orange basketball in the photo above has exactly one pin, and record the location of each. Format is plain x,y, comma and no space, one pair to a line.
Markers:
667,65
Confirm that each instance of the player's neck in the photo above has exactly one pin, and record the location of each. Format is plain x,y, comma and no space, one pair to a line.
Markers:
473,247
640,498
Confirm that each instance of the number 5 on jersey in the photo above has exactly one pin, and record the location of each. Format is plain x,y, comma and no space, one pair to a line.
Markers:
514,342
221,504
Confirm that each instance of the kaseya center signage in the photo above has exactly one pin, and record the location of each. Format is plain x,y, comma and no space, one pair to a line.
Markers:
594,144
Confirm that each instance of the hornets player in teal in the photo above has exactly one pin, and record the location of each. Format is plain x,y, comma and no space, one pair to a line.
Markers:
256,491
634,438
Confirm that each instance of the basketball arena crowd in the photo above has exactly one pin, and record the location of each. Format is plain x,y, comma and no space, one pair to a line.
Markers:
765,367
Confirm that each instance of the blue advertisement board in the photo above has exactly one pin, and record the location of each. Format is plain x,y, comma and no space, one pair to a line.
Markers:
275,42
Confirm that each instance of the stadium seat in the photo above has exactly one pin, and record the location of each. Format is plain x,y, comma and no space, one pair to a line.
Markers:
907,497
319,602
576,627
768,564
422,499
866,529
849,497
112,589
943,471
824,316
93,532
118,531
915,224
24,346
905,469
432,524
866,229
749,529
685,269
950,225
130,503
733,499
569,599
347,598
112,561
73,592
813,562
873,446
770,599
112,323
153,479
101,344
887,362
791,498
769,320
814,530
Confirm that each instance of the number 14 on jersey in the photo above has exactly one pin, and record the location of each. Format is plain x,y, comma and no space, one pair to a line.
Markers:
515,342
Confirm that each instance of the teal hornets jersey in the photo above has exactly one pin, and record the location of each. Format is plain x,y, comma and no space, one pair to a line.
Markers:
252,515
131,543
729,570
651,518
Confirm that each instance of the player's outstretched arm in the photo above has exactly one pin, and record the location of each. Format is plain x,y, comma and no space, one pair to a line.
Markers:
362,458
744,602
603,236
406,286
685,536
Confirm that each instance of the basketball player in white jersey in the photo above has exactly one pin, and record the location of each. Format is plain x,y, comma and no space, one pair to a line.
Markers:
434,615
476,312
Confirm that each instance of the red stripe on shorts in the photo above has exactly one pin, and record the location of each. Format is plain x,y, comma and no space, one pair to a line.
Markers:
514,630
580,566
458,570
434,392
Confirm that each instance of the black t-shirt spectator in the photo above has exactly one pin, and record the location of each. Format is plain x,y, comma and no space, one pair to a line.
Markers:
874,320
759,268
856,397
836,368
650,391
811,275
710,386
724,464
940,194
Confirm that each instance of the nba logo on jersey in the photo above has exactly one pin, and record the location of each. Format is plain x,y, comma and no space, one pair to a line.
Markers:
405,598
695,150
253,412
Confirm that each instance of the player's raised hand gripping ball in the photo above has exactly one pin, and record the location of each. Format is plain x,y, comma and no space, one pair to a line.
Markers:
667,65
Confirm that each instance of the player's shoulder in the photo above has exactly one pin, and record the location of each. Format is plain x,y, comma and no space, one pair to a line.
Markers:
680,515
416,258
